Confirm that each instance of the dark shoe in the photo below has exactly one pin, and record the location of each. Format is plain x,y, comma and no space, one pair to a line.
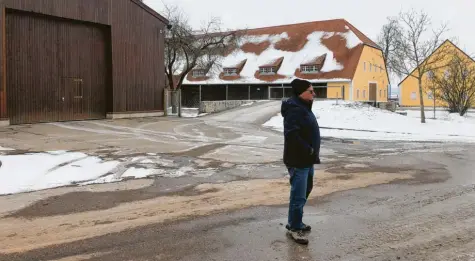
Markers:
304,229
298,236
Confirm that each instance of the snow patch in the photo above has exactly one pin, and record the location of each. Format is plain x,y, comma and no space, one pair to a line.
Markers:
292,60
31,172
354,120
351,39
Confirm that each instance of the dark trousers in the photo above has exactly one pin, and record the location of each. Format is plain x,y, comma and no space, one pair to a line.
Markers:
301,181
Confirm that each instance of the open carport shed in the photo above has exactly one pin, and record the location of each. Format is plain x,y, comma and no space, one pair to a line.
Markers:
65,60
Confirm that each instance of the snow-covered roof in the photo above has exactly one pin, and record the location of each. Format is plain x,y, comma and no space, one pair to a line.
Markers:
339,42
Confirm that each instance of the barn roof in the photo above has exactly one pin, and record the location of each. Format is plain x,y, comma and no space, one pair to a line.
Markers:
337,41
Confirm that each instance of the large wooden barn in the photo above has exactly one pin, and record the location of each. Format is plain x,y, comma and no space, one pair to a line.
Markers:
65,60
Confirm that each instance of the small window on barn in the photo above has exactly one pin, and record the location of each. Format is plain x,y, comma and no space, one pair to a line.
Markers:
230,71
364,94
199,73
357,94
380,93
309,68
413,96
370,67
267,70
364,66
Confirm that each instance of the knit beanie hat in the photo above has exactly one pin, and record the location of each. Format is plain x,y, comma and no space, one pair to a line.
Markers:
299,86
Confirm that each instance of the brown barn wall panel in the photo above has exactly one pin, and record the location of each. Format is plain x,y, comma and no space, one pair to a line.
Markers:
133,39
137,57
3,94
57,69
96,11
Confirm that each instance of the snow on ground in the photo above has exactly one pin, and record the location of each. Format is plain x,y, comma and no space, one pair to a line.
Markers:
354,120
39,171
29,172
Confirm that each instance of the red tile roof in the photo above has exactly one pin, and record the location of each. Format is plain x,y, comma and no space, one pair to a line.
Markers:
341,40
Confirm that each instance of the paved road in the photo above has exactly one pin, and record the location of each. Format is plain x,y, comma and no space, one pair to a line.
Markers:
373,201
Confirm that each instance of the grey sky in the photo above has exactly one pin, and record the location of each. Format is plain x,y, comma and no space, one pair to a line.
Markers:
366,15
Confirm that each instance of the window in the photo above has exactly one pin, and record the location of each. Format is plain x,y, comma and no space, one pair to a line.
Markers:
309,68
364,94
230,71
267,70
380,93
357,94
430,75
413,96
465,74
364,66
370,67
429,95
446,74
198,73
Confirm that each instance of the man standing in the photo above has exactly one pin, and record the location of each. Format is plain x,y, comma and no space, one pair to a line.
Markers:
301,152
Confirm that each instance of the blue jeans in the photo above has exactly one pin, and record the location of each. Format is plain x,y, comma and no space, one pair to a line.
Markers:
301,181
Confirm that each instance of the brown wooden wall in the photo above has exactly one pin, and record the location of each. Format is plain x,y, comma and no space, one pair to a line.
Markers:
50,77
137,46
139,61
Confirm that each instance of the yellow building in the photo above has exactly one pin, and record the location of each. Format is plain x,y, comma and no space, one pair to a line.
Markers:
338,59
409,87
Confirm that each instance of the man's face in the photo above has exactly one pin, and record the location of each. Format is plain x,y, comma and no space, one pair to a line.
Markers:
308,94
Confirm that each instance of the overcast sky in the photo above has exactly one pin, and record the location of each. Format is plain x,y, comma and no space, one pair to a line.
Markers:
366,15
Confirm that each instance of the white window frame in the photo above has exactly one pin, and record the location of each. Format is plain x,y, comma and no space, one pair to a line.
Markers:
309,68
413,96
267,70
230,71
198,73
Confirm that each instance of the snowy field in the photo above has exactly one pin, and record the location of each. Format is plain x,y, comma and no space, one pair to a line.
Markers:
353,120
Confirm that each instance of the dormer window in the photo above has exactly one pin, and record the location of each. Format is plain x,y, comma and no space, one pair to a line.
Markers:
309,68
267,70
230,71
199,73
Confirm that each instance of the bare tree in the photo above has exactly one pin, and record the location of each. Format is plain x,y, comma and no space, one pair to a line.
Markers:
186,49
387,39
414,43
456,84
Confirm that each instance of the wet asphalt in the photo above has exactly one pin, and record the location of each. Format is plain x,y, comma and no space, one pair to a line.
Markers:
430,217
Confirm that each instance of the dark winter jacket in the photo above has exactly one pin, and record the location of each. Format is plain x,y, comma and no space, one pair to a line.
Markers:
302,134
